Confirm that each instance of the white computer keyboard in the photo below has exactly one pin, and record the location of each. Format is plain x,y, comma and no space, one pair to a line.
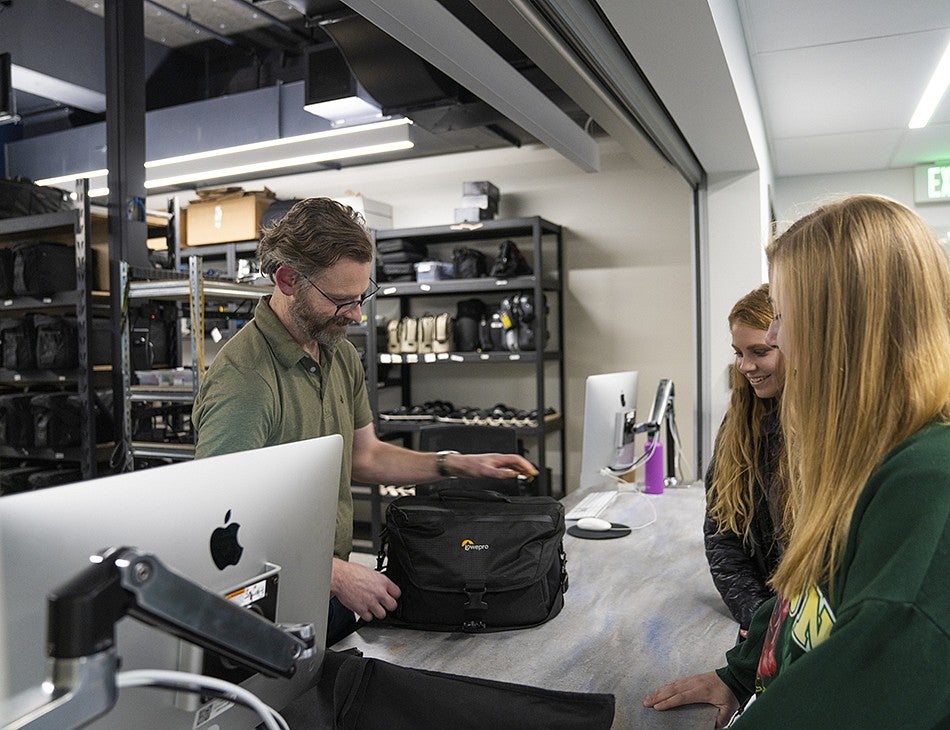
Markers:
591,505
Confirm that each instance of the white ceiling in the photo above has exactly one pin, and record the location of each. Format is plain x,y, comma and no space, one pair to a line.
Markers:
838,81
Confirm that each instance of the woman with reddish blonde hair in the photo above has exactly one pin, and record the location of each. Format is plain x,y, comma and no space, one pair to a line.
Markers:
745,493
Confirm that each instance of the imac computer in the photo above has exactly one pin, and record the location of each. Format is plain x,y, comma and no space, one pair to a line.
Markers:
256,527
610,401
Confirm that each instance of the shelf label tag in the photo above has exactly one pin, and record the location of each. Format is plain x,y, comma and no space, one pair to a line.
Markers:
425,287
457,358
47,300
501,282
442,356
485,356
412,358
386,358
429,357
7,302
397,358
514,356
389,290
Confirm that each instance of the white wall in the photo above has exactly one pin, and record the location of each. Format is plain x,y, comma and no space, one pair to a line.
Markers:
796,196
629,297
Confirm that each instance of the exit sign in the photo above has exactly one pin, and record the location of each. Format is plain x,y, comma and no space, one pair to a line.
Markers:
932,183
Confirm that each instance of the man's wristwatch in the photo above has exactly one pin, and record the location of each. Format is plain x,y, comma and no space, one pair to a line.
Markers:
440,465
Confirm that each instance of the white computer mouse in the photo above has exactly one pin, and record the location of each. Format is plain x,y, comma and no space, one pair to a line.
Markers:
593,523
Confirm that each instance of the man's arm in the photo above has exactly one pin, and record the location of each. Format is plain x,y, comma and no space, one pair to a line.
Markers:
380,462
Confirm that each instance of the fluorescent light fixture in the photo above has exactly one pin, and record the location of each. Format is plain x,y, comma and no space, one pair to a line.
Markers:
934,92
34,82
347,110
377,138
282,163
282,142
72,177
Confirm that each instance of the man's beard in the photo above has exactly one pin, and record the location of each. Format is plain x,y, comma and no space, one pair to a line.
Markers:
325,330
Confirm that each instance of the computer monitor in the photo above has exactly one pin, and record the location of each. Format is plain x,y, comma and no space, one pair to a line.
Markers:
608,397
280,500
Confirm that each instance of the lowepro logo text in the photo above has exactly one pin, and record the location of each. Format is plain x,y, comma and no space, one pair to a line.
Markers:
469,545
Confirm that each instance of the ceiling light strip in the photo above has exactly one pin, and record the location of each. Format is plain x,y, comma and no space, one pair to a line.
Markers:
382,143
936,88
299,161
271,143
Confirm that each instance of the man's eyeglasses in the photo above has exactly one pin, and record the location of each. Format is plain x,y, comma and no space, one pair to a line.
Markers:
346,307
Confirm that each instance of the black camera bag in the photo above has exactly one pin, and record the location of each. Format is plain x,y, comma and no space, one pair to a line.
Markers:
19,197
56,419
470,263
16,420
474,560
18,338
41,268
6,273
57,342
468,315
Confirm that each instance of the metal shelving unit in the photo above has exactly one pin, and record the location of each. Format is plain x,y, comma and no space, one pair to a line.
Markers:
74,226
545,242
195,291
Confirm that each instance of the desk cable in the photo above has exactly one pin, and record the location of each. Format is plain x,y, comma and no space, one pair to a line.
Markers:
188,682
636,491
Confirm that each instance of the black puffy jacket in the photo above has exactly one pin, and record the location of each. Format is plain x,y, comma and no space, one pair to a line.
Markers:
740,568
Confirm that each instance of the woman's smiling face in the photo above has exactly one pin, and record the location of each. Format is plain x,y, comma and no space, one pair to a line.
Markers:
760,363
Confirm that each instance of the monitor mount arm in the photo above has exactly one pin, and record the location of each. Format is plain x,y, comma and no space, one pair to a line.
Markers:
83,612
660,413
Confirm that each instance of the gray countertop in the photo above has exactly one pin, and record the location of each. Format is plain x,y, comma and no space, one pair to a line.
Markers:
641,610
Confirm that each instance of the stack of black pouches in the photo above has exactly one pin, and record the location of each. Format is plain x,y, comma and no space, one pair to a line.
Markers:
45,342
396,259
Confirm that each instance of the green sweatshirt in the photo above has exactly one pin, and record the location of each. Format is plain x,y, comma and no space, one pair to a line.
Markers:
877,653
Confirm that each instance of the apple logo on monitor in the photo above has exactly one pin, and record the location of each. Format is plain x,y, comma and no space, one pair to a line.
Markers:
225,548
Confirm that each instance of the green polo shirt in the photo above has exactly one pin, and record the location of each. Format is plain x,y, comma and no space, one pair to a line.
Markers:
263,390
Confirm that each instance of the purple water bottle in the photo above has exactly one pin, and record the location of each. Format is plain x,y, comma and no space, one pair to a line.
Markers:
654,476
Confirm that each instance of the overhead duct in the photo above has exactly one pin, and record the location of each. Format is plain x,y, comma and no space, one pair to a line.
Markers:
392,74
399,80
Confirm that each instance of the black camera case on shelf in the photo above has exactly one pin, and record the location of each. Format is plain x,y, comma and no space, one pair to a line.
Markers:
151,336
20,196
56,419
18,340
509,261
41,268
6,273
470,263
57,345
474,560
525,324
16,420
468,314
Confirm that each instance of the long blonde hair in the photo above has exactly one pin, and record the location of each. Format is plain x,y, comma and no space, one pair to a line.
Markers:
864,290
731,495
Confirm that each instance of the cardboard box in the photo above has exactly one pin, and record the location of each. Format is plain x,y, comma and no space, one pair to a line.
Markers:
225,221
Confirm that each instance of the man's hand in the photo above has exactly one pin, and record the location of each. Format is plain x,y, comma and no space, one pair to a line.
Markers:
493,466
367,592
705,688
